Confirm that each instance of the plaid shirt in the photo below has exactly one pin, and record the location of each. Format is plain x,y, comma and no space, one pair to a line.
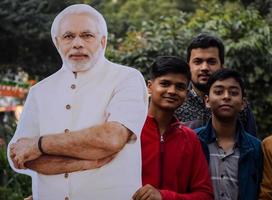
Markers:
194,114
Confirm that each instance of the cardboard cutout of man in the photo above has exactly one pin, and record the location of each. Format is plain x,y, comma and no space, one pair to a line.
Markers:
77,137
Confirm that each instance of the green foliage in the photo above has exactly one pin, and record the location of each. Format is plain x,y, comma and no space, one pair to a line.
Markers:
246,35
165,36
121,15
25,29
13,186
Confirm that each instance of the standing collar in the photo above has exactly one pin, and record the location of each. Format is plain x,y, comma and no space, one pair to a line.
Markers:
92,75
207,134
174,120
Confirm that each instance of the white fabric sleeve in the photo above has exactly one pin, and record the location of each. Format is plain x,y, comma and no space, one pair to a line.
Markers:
28,126
129,102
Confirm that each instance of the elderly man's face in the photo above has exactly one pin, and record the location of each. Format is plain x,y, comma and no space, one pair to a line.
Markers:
79,42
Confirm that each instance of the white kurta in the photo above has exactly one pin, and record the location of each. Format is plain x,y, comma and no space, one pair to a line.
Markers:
107,92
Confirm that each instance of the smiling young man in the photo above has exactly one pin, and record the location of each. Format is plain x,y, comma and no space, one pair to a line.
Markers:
205,55
76,136
173,164
235,157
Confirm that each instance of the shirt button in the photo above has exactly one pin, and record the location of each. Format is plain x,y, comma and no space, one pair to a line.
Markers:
66,175
68,107
73,86
66,131
66,198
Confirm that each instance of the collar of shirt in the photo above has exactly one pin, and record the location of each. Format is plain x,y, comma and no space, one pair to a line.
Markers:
152,123
93,74
215,139
211,137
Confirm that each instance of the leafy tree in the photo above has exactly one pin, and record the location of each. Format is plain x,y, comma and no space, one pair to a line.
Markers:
13,186
25,35
122,15
246,35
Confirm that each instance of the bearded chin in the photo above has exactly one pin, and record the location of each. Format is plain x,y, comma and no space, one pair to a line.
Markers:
201,87
84,65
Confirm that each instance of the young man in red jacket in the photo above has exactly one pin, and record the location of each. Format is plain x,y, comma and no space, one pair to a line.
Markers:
173,164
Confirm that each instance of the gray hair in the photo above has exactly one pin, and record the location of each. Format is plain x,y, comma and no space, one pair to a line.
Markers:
79,9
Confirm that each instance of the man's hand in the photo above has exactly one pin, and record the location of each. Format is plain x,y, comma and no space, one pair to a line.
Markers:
28,198
25,149
147,192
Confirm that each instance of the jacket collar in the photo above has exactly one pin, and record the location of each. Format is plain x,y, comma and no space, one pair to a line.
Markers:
174,121
206,134
152,124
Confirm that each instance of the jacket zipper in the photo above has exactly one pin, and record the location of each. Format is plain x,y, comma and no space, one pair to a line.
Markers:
161,160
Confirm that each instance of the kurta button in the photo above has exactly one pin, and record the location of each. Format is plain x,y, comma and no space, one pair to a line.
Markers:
66,131
73,86
66,198
66,175
68,107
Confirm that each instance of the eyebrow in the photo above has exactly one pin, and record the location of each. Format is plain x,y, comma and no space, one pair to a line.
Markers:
85,31
200,58
170,81
231,87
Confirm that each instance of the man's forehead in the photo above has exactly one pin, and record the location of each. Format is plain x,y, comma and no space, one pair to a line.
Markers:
210,51
226,83
78,23
173,77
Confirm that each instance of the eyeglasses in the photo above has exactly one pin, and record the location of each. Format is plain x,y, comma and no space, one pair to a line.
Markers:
68,37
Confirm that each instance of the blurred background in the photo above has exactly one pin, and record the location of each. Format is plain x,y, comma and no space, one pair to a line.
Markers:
139,30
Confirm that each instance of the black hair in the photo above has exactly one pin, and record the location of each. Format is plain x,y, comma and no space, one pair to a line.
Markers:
224,74
169,64
204,41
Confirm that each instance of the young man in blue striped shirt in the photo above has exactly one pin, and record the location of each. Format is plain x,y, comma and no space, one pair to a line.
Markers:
235,157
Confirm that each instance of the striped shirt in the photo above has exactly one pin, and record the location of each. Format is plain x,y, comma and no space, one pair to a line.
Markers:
224,171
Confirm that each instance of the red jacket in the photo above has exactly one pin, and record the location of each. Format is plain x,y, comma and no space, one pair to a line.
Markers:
175,163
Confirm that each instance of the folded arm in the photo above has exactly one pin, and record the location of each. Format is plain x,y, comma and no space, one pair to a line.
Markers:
92,143
51,165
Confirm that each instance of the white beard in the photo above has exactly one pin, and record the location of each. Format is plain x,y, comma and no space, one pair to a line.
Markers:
84,65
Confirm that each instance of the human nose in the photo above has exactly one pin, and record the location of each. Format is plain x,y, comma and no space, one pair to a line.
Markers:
226,95
77,42
204,66
171,89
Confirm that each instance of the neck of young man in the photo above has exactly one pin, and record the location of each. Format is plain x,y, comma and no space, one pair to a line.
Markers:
162,117
197,91
225,128
225,131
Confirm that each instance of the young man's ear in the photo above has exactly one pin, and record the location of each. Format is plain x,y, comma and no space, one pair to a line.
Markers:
187,93
207,102
244,103
149,86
